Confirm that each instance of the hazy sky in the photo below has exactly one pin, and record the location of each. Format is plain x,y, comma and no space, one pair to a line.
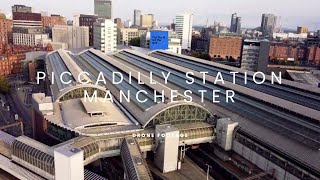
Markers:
292,12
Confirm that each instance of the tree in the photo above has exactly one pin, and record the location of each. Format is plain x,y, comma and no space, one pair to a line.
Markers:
135,42
4,85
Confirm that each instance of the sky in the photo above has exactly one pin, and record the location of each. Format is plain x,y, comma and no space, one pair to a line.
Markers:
293,12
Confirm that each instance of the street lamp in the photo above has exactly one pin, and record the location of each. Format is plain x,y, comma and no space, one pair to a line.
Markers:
208,170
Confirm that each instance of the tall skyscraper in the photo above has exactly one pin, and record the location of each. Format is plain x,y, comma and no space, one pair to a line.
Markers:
105,35
268,24
136,17
238,25
183,26
235,25
103,8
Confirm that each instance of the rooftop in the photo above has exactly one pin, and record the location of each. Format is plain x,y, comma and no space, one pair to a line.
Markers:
306,77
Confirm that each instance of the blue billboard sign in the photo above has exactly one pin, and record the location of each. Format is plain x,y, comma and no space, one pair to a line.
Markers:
159,40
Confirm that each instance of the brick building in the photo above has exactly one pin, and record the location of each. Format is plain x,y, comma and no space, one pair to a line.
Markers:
314,55
225,47
12,55
50,21
302,53
10,64
5,32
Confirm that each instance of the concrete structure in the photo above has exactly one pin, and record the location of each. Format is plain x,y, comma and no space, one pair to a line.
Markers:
307,77
225,47
268,24
166,157
225,133
183,27
105,36
254,57
103,8
68,163
136,17
146,20
73,36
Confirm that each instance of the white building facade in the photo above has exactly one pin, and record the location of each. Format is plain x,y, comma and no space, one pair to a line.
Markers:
184,29
105,36
73,36
29,39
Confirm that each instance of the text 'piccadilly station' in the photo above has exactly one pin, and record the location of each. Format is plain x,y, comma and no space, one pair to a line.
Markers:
273,123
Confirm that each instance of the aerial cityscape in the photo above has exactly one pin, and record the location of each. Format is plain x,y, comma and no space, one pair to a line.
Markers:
150,90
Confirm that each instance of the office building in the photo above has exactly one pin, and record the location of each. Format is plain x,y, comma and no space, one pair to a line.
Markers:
128,23
103,8
53,20
302,30
21,8
235,26
120,25
255,55
290,36
118,22
73,36
105,35
27,29
136,17
126,34
146,20
268,24
29,39
26,20
226,47
88,21
238,25
183,26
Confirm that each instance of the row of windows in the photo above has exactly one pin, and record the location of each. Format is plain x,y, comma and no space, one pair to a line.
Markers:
33,156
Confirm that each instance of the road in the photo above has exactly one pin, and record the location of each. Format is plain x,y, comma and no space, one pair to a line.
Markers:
17,107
